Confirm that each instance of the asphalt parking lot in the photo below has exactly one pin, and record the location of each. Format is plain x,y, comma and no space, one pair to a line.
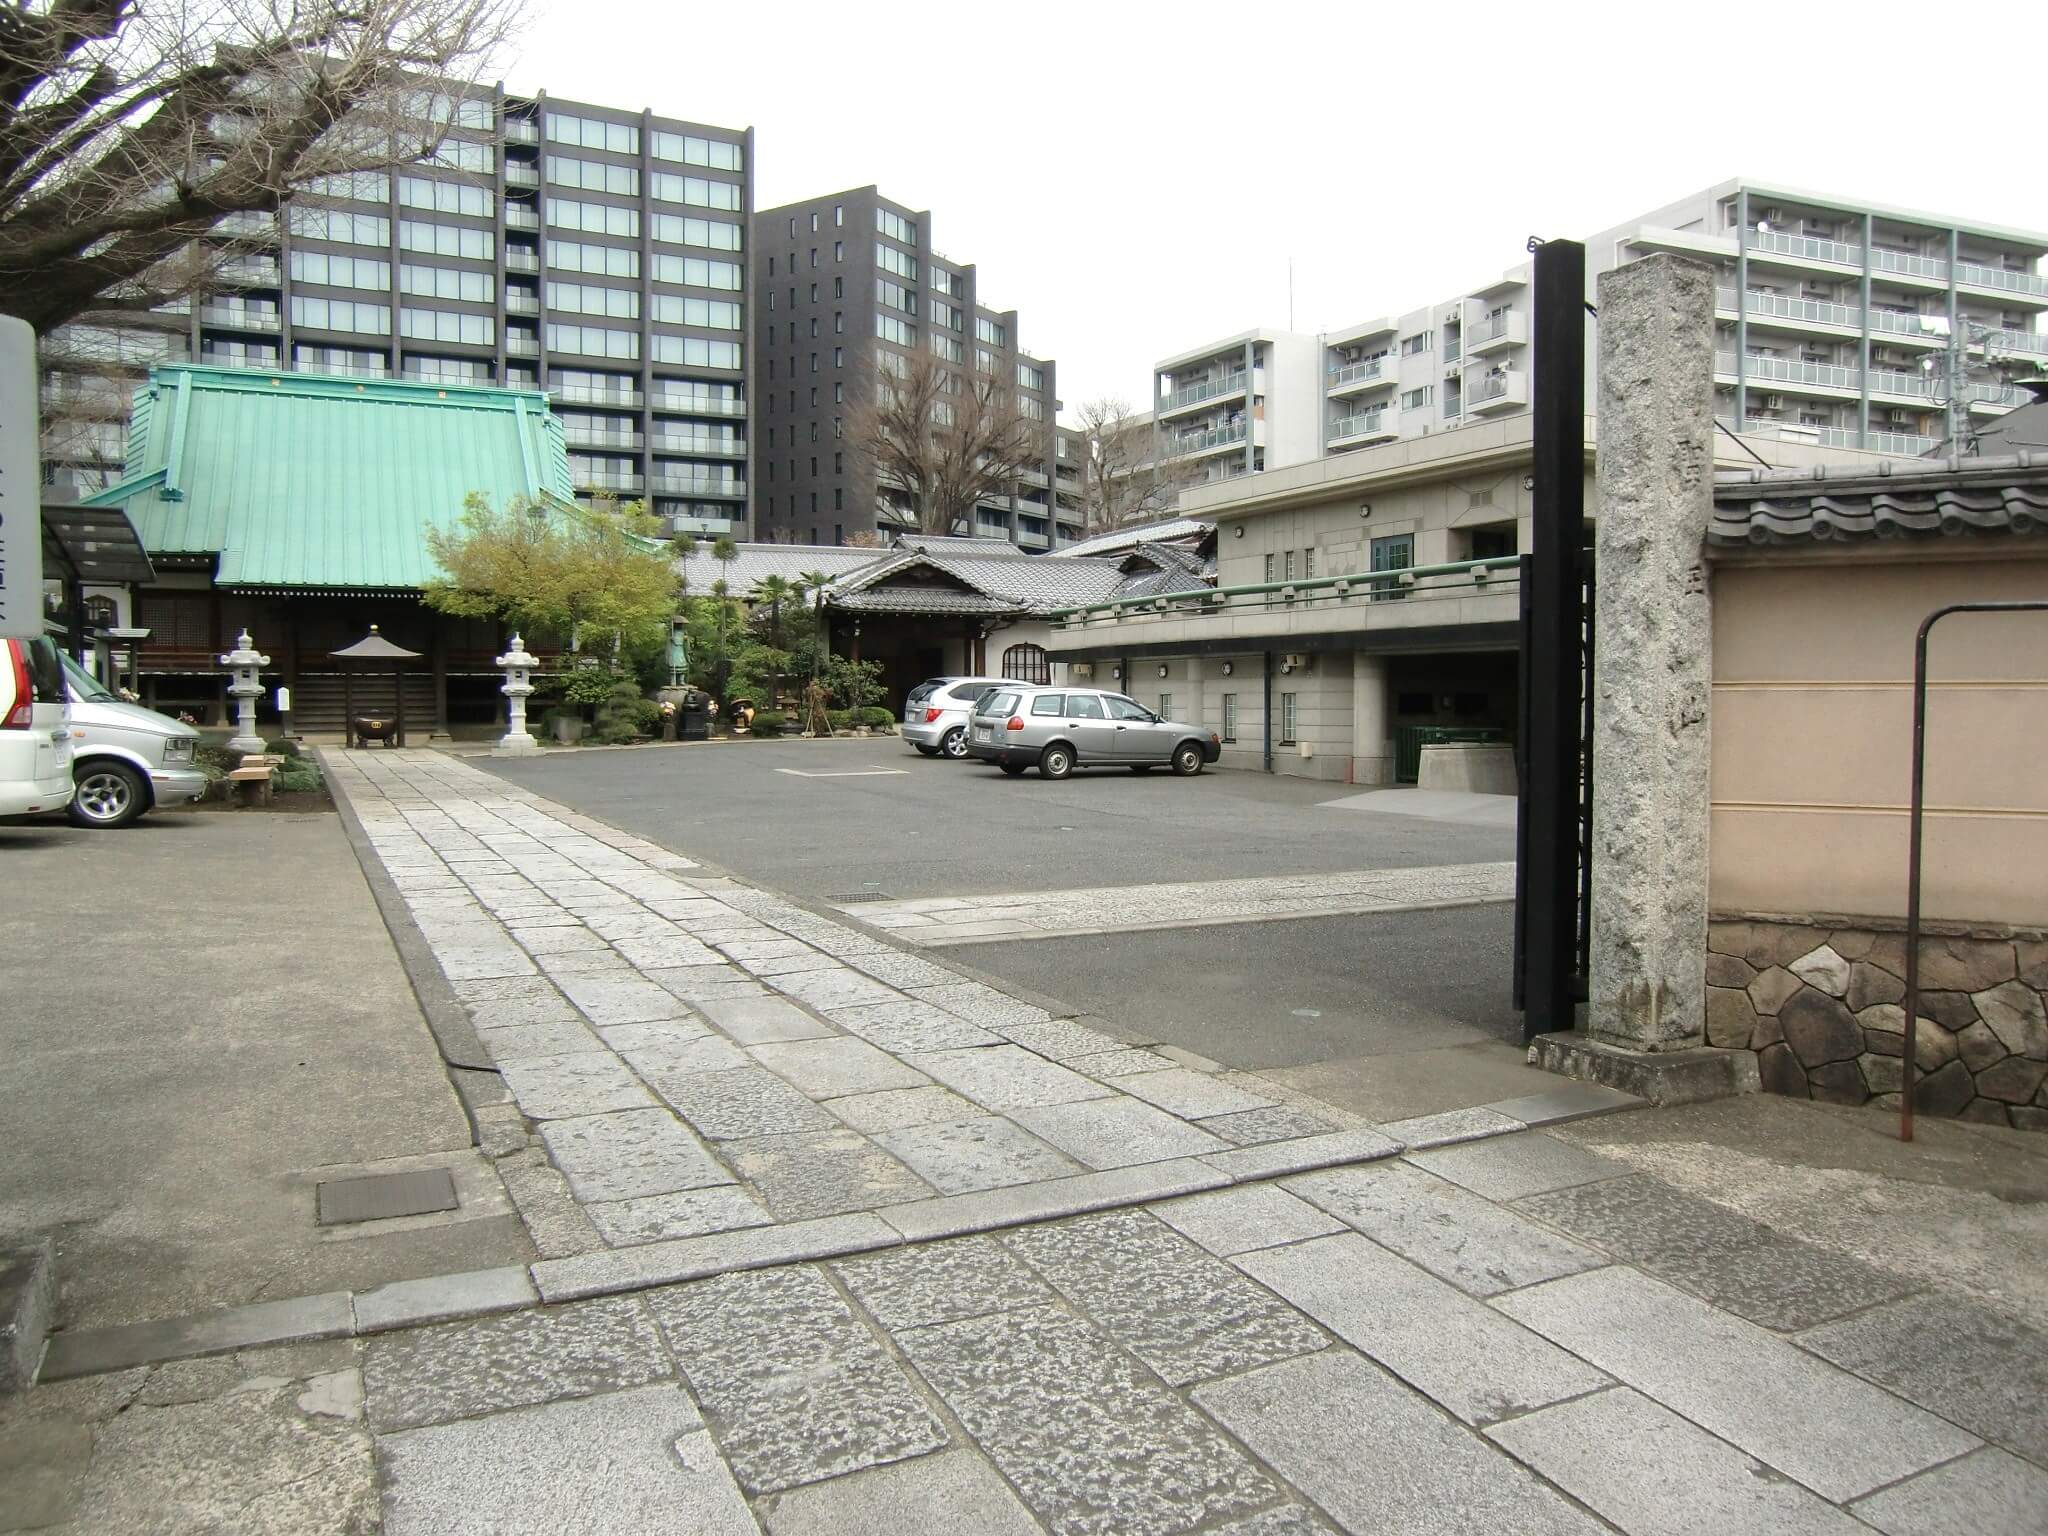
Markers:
1388,1014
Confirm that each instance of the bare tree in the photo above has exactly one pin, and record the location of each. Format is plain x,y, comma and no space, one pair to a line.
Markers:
1124,478
943,440
129,129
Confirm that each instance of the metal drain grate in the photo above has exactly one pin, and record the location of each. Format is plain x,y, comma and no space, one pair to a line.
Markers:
381,1196
848,898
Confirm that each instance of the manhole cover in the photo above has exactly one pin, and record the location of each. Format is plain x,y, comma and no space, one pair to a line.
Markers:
847,898
381,1196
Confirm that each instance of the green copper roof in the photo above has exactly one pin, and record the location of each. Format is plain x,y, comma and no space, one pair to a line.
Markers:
310,480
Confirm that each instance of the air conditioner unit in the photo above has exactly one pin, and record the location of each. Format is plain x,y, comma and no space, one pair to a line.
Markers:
1307,748
1293,662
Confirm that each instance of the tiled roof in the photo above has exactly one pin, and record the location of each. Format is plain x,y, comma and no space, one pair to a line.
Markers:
937,600
952,544
1018,583
310,480
1900,498
752,562
1120,539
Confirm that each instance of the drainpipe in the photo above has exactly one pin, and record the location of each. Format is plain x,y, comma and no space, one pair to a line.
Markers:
1266,723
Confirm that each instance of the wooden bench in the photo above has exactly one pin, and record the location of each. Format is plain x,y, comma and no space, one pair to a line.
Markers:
250,782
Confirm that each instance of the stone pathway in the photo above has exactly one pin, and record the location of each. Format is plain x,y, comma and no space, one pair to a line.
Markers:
941,920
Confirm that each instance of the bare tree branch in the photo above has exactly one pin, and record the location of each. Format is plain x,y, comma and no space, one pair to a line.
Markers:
941,439
1124,478
130,128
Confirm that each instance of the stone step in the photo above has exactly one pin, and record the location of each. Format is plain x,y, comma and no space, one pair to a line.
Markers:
28,1296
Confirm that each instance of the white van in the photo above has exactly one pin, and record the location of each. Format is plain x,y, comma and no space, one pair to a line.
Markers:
125,759
35,733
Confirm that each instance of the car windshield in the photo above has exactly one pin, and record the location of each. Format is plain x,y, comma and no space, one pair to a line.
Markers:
1121,708
997,701
88,688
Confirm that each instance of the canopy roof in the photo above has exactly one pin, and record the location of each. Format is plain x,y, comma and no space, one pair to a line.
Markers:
314,481
374,647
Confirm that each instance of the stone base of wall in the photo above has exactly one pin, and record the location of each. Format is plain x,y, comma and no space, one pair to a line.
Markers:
1819,1003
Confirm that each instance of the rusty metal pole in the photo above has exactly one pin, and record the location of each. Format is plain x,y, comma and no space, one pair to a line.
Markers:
1913,838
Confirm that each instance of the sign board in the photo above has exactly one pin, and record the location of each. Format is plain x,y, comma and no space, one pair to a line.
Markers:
21,486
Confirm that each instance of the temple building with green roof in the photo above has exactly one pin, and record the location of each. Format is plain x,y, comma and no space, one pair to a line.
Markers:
297,506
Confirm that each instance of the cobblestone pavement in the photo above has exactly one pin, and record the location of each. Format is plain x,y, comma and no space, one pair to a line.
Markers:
940,920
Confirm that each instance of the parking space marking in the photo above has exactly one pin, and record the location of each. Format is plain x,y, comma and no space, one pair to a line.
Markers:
1184,904
847,773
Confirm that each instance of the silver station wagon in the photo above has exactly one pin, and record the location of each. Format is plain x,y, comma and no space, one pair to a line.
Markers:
1057,730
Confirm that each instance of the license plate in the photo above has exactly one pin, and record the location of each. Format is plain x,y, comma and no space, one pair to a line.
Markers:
983,732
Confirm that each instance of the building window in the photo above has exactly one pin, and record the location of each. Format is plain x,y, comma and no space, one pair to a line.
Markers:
1287,718
1392,554
589,133
1027,664
1419,342
1271,564
1287,566
594,175
1230,717
1166,706
1308,564
1415,399
895,226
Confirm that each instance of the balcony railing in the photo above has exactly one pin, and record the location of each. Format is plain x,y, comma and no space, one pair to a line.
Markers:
606,479
1827,312
677,483
596,437
1459,579
1822,375
1843,253
702,447
242,317
1364,424
1206,389
521,346
519,216
1978,275
517,260
1203,442
2020,341
1374,370
593,394
1906,444
700,405
519,174
521,303
521,130
1489,331
257,271
344,370
1483,390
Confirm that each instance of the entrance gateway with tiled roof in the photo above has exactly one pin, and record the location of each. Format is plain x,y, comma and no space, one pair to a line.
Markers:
297,506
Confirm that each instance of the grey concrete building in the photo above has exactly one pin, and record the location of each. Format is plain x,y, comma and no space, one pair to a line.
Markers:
594,252
1860,326
850,283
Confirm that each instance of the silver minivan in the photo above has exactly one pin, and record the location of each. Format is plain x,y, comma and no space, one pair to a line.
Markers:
125,759
1056,730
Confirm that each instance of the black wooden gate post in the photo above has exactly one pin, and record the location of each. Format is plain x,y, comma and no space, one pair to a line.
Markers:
1547,879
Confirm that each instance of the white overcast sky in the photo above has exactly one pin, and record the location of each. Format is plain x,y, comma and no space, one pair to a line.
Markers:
1135,179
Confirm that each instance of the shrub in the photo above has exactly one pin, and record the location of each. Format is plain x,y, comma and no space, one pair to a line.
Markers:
877,718
283,747
296,775
771,722
215,761
623,715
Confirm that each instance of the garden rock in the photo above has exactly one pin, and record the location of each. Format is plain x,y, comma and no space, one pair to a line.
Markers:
1869,984
1729,971
1944,1092
1965,965
2013,1081
1780,1072
1819,1029
2017,1016
1837,1082
1769,991
1823,969
1731,1020
1980,1048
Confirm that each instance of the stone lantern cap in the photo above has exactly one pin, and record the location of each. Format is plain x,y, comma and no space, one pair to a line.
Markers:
244,654
516,655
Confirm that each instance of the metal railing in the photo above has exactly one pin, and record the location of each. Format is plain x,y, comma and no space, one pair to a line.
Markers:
1488,386
519,174
521,303
711,447
1459,577
519,216
1208,389
522,346
344,370
1363,424
605,480
592,394
1905,444
698,405
521,261
1977,275
1373,368
593,437
521,130
1202,442
1829,312
242,317
673,484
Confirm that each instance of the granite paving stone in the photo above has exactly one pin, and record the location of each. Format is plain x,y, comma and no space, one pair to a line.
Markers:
700,984
439,1298
561,1087
1095,1445
892,1027
650,952
756,949
612,1270
481,961
1839,1436
823,1173
1116,1132
1507,1167
1191,1095
1987,1493
1060,1039
1047,1199
1105,1065
630,925
788,965
1282,1122
1975,1366
795,1386
901,1108
655,1035
1378,1458
1449,1127
623,1156
1643,1467
901,970
981,1152
941,1282
1228,1221
827,1069
1476,1245
547,1206
762,1020
1565,1102
835,988
1470,1359
1283,1520
1006,1077
562,1038
748,1101
978,1004
953,1493
619,999
1174,1305
683,1213
556,940
429,1375
585,962
499,989
662,1064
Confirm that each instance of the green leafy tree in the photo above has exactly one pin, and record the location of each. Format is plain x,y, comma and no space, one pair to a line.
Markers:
814,584
772,592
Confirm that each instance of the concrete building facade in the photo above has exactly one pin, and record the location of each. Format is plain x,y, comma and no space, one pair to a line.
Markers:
850,285
595,253
1860,326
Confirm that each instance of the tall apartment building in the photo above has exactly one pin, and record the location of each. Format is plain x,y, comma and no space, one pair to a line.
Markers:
849,285
593,252
1859,327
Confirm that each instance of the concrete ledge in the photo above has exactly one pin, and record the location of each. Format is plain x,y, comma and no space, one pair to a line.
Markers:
28,1294
1661,1077
88,1353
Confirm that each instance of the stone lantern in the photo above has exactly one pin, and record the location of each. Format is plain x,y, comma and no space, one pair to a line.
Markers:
518,664
243,687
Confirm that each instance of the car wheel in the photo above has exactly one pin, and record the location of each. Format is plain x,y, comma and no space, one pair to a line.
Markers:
927,751
107,795
1012,770
1056,761
954,743
1187,759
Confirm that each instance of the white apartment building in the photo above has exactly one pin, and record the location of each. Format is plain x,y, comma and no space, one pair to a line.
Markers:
1859,326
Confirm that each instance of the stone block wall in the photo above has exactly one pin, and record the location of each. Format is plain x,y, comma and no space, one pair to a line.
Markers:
1820,1005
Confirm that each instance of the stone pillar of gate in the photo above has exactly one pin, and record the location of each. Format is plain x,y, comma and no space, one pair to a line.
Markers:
1653,640
1372,746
